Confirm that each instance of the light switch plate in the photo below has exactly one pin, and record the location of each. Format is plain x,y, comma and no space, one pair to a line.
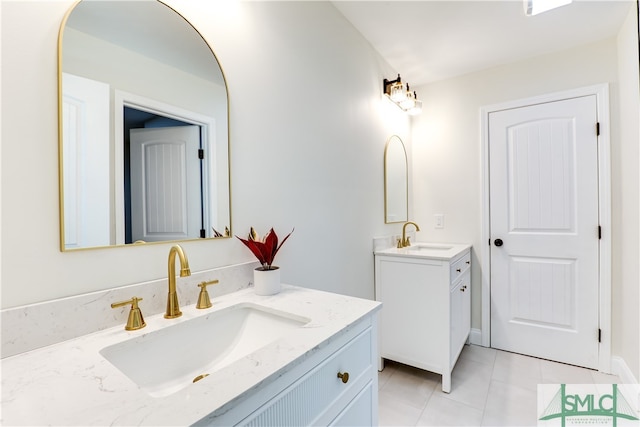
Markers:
439,220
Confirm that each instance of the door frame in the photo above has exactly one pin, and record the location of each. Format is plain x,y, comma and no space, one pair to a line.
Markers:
207,135
601,92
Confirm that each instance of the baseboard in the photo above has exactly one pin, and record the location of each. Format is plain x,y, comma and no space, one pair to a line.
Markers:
475,336
620,368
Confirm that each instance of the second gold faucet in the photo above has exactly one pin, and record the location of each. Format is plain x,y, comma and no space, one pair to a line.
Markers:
405,240
173,307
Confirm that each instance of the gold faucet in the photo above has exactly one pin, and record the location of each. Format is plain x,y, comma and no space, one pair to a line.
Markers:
405,240
173,308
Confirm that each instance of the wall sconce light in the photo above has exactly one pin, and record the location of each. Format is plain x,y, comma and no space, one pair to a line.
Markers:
403,98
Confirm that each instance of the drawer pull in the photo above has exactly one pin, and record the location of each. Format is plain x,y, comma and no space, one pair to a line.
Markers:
458,270
344,377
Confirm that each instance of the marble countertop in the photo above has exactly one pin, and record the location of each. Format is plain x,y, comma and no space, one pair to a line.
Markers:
70,383
424,250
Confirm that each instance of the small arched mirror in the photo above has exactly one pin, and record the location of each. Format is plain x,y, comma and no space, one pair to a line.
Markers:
144,145
396,191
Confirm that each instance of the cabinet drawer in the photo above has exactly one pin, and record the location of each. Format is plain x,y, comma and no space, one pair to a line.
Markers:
460,266
309,397
359,411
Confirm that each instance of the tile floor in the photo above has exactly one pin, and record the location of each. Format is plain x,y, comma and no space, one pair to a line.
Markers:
488,388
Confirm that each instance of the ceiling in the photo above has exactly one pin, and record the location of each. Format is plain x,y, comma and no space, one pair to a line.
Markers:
424,40
432,40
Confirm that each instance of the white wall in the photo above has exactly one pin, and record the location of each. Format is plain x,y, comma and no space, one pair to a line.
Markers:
446,141
129,71
308,128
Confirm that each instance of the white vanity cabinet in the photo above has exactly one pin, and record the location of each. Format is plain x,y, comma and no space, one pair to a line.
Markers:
426,315
336,386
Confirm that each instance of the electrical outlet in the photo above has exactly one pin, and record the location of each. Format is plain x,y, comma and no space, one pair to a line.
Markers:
439,220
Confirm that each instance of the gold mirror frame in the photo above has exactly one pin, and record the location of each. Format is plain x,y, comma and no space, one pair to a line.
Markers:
396,181
214,193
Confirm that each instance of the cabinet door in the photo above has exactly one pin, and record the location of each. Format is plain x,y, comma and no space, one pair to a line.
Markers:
414,313
460,300
456,301
466,305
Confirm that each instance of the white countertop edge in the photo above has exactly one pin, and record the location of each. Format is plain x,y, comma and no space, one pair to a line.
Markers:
444,255
70,383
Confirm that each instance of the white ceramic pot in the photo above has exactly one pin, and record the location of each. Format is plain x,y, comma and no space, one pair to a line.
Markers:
266,282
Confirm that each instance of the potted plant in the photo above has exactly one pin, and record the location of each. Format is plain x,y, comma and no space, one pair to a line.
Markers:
266,278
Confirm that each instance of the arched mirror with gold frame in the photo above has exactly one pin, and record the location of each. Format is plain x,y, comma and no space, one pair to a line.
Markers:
144,128
396,177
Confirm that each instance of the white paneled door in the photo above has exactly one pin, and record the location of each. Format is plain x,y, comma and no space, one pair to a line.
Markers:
85,146
544,230
165,184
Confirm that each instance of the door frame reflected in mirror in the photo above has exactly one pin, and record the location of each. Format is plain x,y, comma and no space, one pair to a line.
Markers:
208,142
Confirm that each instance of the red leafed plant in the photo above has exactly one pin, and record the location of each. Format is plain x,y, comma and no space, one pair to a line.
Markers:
266,249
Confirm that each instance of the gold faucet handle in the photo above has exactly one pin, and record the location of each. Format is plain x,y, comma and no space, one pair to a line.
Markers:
135,320
408,242
399,245
203,299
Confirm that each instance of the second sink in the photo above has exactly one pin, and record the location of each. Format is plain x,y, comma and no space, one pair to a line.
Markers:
167,360
428,247
437,251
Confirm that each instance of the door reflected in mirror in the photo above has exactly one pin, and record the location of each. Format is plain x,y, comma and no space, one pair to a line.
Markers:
396,188
144,145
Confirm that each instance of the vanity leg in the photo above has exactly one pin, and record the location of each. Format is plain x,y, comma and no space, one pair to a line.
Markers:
446,382
380,364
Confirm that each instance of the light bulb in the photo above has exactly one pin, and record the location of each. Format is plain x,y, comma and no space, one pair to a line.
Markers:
397,92
416,109
407,103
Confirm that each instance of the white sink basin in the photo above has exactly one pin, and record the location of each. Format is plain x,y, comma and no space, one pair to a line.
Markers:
426,250
428,247
165,361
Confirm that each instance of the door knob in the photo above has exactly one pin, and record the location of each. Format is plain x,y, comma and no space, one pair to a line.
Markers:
498,242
